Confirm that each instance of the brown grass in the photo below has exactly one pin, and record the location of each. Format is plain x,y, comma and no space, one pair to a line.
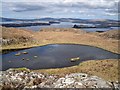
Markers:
12,36
114,34
106,69
55,35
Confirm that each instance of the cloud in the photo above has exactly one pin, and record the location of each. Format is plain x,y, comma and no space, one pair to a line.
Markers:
101,4
21,7
63,7
111,14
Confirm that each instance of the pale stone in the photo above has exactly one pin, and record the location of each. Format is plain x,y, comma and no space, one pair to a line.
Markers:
69,81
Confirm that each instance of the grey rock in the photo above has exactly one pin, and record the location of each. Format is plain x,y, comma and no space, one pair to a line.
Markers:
69,81
25,79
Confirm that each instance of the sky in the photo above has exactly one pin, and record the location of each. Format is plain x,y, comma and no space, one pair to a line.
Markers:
82,9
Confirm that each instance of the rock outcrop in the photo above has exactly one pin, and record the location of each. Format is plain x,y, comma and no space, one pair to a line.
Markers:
24,79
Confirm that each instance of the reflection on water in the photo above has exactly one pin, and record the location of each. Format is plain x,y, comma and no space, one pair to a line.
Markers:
54,56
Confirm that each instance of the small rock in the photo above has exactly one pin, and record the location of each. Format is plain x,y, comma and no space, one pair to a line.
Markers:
25,52
35,56
37,81
28,59
79,83
18,54
75,59
41,85
69,81
33,87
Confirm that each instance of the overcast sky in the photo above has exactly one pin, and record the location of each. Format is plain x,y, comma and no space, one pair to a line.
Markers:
83,9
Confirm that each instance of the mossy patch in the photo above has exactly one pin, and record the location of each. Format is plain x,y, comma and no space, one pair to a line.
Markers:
22,69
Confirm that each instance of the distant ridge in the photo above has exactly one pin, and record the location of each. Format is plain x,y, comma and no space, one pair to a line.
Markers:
99,23
58,19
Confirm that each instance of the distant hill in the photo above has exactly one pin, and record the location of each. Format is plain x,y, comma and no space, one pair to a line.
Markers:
59,19
96,22
13,19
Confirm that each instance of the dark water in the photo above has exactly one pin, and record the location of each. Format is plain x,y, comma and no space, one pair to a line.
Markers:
57,25
54,56
66,25
99,29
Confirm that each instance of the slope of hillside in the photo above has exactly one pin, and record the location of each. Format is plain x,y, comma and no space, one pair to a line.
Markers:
17,38
114,34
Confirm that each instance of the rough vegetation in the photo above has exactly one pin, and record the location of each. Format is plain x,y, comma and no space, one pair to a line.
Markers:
114,34
107,69
17,38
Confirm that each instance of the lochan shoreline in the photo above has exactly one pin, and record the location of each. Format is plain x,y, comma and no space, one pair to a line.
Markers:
21,39
26,38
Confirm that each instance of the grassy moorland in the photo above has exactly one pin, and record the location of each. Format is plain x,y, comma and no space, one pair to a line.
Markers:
18,38
108,69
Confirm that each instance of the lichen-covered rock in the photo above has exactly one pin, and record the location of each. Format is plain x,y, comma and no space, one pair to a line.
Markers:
24,79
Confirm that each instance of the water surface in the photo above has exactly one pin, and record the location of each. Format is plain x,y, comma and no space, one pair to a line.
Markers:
54,56
67,25
55,25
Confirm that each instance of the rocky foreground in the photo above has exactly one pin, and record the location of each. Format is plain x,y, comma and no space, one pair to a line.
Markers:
24,79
